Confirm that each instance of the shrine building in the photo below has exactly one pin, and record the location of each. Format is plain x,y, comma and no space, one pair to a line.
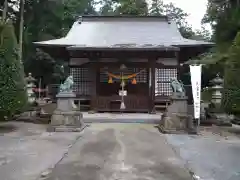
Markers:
124,58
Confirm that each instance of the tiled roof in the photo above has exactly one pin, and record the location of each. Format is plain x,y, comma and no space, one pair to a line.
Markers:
98,31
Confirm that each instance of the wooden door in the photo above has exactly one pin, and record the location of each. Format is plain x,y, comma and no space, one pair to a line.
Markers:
137,99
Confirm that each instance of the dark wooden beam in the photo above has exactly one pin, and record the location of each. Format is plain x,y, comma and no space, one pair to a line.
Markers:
152,89
119,63
178,65
93,70
120,54
95,80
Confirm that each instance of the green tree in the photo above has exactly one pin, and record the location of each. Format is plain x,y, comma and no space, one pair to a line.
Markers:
44,62
12,91
156,8
231,80
176,14
132,7
108,7
56,20
224,18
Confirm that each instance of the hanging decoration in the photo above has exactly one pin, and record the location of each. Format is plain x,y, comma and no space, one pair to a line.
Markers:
123,77
110,81
134,81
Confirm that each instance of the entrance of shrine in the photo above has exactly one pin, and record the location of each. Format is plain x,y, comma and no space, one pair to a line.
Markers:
123,88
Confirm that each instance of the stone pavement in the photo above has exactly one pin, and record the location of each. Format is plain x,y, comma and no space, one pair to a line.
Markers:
114,151
28,150
120,151
209,156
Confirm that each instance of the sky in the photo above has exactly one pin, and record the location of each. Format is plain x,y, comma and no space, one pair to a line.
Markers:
195,8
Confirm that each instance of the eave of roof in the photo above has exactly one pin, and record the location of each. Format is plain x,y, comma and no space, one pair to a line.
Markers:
127,47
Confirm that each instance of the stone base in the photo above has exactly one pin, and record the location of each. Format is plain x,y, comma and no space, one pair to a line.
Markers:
65,95
177,124
65,128
70,121
164,130
221,119
68,118
176,118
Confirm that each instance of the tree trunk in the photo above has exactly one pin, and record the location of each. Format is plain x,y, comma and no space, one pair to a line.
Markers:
4,15
22,2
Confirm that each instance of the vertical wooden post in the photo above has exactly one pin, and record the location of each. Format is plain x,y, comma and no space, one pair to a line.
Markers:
178,64
152,64
94,79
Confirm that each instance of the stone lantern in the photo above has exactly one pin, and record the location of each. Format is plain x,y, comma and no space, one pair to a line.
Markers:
216,110
30,85
217,88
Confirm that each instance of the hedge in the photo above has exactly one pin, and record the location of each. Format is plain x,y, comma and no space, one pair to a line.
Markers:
13,96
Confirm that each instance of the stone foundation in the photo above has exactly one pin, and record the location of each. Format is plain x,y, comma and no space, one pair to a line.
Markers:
176,118
66,117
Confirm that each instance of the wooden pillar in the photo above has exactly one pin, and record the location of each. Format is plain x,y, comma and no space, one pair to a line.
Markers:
178,66
152,64
94,80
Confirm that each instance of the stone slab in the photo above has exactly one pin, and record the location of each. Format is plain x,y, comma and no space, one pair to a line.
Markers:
178,106
66,120
176,97
65,128
70,113
143,118
222,119
66,95
163,130
65,104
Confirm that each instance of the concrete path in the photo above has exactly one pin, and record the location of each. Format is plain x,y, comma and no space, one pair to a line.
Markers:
27,150
120,152
211,157
114,152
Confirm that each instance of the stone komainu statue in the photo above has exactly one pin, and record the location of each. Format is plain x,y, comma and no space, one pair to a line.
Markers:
177,88
67,86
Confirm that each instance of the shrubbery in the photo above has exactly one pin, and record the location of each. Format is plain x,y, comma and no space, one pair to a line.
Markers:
231,98
13,95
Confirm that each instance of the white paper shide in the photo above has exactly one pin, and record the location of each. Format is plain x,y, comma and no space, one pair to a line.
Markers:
196,73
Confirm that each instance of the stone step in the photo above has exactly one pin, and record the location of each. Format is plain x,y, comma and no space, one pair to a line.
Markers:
122,118
140,121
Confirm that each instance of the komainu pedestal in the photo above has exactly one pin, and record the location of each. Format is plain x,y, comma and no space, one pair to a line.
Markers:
176,118
67,117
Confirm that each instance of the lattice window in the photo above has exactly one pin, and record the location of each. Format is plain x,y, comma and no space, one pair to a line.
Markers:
103,75
140,78
82,80
162,83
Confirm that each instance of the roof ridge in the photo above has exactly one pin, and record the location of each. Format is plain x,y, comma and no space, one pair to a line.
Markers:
122,17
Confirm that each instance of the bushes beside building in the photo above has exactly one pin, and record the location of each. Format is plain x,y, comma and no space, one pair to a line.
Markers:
231,98
13,95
